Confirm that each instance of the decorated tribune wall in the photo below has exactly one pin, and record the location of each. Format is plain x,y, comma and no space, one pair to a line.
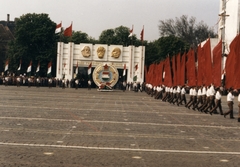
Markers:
70,55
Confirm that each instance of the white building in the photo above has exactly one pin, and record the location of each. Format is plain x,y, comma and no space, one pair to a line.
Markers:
70,55
229,23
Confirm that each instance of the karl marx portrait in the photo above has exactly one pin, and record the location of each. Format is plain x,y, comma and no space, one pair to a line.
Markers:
101,52
116,52
86,52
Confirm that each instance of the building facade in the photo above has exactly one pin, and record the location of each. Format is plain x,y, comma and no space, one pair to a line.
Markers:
108,61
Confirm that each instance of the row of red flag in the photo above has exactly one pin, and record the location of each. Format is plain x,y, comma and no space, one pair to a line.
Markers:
202,67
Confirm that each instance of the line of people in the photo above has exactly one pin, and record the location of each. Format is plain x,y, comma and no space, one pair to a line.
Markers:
23,80
206,99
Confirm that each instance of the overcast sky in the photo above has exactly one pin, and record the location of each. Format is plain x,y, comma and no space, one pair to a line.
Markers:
94,16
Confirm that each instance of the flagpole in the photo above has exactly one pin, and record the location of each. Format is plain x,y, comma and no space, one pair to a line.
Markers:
60,49
70,61
142,53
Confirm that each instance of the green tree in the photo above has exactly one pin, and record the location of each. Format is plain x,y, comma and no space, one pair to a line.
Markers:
164,46
35,41
118,36
80,37
187,29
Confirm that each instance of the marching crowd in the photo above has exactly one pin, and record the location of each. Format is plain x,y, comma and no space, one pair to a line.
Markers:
206,99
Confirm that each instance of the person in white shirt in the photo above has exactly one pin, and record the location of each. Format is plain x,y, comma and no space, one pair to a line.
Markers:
194,98
207,101
190,97
211,96
183,96
199,98
218,101
230,98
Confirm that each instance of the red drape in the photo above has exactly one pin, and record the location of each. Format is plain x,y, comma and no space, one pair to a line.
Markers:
183,70
174,70
179,69
159,73
237,66
217,63
208,80
201,59
168,73
230,63
191,69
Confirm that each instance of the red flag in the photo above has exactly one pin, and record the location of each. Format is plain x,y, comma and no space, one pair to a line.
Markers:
38,67
217,63
20,64
142,34
183,70
230,63
68,31
145,73
29,69
208,79
49,67
168,73
124,70
58,28
200,68
159,74
6,65
150,73
130,32
136,67
90,68
237,68
191,68
178,69
174,71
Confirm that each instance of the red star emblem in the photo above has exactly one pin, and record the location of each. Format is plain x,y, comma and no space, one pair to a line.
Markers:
105,67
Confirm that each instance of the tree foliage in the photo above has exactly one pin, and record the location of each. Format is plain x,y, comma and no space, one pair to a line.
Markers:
34,41
118,36
164,46
187,29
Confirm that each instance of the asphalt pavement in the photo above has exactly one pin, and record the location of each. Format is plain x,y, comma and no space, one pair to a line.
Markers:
54,127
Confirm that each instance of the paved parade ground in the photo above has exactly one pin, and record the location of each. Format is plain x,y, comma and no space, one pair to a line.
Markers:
54,127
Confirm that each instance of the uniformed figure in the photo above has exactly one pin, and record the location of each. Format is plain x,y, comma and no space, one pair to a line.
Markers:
63,83
218,102
194,98
124,84
183,96
230,98
6,79
211,103
76,83
29,82
50,82
190,97
89,84
38,81
18,81
207,101
199,98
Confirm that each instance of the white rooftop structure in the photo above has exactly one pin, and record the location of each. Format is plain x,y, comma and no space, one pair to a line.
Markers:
229,23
